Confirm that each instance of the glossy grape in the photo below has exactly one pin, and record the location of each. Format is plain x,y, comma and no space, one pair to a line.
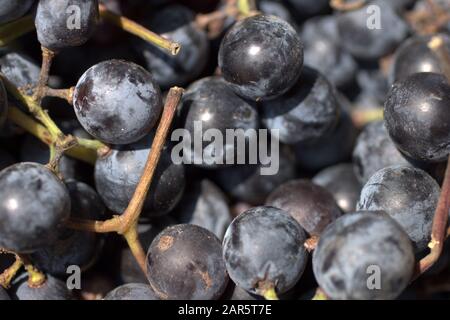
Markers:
65,23
417,116
305,113
355,245
408,195
185,262
312,206
261,57
118,172
117,101
340,180
263,249
34,203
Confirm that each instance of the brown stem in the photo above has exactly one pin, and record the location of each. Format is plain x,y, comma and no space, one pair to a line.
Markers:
346,5
311,243
35,277
439,229
47,58
131,236
7,275
65,94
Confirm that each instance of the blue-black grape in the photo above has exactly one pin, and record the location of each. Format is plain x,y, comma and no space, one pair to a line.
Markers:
312,206
340,180
306,112
263,250
417,116
118,172
409,195
185,263
12,10
21,70
414,55
375,150
132,291
73,247
51,289
209,102
261,57
176,23
204,205
65,23
374,42
324,52
354,248
34,204
117,101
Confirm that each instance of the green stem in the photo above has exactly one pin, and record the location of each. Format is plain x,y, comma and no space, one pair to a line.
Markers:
13,30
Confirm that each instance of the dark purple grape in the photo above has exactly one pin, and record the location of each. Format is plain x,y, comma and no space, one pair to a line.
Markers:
73,247
176,23
12,10
261,57
374,42
263,250
374,151
417,116
306,112
324,52
21,70
210,104
340,180
185,263
356,246
312,206
408,195
204,205
414,56
34,204
65,23
117,101
132,291
118,172
52,289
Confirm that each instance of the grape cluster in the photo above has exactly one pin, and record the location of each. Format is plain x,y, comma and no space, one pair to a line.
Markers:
94,183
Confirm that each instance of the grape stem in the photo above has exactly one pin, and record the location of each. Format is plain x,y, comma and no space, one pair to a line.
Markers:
126,224
345,5
64,94
362,117
311,243
7,275
319,295
15,29
437,45
246,7
139,31
439,230
47,59
35,277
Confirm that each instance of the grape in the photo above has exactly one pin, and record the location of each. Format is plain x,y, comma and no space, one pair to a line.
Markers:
356,244
117,102
118,172
12,10
185,263
340,180
65,23
371,43
375,150
132,291
310,205
177,24
73,247
304,114
263,249
417,116
34,203
210,103
51,289
19,69
409,195
204,205
414,56
261,57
